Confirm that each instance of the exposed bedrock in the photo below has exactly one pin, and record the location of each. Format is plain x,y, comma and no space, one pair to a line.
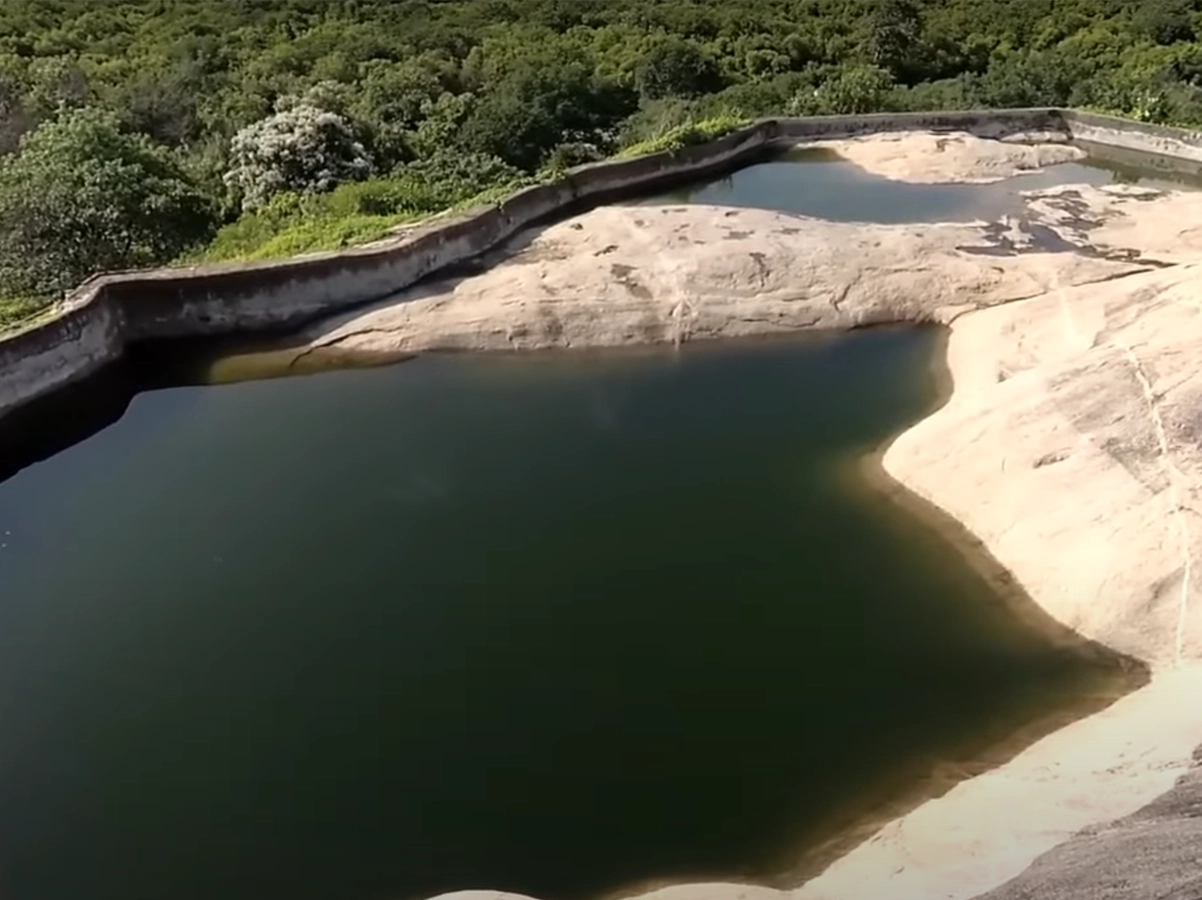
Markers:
621,275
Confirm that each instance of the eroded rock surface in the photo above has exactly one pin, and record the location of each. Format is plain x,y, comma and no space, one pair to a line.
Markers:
1076,424
621,275
932,158
1152,853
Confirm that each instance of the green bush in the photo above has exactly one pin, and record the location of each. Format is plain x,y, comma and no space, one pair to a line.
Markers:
540,104
568,156
854,89
365,211
241,238
657,117
82,196
17,311
678,68
687,135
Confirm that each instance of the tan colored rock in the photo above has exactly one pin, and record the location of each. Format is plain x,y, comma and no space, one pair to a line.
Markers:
1071,447
1124,220
930,158
1076,424
622,275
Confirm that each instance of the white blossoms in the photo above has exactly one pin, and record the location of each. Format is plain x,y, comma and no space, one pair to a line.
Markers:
303,149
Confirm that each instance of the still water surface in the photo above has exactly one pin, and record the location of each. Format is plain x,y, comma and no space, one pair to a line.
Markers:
552,624
557,624
820,184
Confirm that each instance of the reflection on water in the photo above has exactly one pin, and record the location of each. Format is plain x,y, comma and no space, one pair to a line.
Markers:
1133,167
817,182
556,624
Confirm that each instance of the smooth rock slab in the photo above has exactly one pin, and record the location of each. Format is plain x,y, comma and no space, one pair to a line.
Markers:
627,275
929,158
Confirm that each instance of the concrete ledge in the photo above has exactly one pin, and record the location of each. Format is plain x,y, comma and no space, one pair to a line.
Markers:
1125,134
109,311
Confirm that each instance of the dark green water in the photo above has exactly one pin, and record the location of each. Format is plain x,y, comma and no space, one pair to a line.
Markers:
552,624
557,624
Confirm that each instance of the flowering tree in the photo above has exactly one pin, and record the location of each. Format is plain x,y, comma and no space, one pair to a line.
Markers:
303,149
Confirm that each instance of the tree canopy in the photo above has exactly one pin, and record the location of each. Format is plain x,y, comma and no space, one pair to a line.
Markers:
82,196
271,105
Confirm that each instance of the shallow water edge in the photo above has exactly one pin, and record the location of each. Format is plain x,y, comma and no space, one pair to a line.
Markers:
877,808
879,802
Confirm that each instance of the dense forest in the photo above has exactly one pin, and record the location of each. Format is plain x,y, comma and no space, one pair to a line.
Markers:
135,132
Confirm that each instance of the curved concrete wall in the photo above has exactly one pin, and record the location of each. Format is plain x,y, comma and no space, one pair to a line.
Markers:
110,311
1140,137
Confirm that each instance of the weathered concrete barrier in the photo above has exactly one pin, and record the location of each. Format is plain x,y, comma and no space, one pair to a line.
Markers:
106,313
984,123
75,342
1140,137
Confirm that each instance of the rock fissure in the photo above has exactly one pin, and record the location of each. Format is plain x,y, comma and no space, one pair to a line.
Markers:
1173,492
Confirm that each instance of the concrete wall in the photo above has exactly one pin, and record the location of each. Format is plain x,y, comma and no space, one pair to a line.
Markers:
1141,137
74,343
110,311
986,123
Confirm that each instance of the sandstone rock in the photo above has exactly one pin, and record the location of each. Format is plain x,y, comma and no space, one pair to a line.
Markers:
621,275
930,158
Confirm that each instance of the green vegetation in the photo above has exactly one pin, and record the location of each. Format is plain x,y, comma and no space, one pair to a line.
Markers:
134,132
359,212
687,134
18,311
82,196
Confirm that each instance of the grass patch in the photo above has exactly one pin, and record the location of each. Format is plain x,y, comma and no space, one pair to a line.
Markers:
252,239
18,311
367,211
314,226
350,216
362,212
686,135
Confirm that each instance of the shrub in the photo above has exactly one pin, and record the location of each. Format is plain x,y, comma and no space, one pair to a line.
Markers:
567,156
81,196
657,117
687,135
303,149
254,228
540,104
678,68
950,93
855,89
